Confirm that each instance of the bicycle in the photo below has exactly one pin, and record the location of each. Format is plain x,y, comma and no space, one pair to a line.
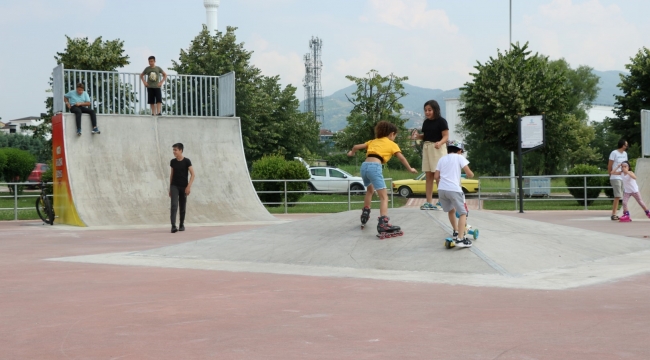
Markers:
44,206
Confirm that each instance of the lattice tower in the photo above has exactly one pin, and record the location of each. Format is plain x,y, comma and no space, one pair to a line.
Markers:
312,80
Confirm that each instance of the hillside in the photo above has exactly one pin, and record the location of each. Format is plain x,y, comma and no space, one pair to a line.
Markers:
337,107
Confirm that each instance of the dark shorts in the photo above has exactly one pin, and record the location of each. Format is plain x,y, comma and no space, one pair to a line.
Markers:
154,95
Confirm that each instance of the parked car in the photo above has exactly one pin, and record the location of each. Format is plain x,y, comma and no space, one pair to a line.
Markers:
36,174
408,187
328,178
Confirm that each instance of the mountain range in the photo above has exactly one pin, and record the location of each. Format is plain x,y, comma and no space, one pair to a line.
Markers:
337,107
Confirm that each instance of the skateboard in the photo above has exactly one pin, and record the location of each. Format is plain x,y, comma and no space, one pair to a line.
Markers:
449,242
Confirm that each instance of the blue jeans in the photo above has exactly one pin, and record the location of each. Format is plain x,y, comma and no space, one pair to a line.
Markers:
371,173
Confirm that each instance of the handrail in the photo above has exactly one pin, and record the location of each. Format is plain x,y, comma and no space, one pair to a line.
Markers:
481,196
286,192
15,196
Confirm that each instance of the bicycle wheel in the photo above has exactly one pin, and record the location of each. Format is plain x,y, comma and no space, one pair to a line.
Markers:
44,210
50,209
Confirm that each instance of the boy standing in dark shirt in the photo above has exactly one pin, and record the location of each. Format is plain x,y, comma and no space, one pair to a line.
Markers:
179,187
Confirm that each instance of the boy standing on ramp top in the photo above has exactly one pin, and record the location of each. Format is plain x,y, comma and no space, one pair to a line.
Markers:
179,188
450,193
155,79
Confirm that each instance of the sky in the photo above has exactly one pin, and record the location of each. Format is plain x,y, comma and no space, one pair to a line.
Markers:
435,43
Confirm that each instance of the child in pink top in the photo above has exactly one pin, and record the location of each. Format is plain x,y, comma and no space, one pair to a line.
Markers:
630,188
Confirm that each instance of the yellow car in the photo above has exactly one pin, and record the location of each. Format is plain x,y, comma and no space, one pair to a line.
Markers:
408,187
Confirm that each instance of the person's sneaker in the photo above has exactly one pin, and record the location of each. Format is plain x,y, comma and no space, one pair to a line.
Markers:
463,243
625,218
647,213
78,132
454,234
174,229
427,206
96,131
181,228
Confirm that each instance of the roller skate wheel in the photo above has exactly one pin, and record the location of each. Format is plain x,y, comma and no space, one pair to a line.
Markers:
448,244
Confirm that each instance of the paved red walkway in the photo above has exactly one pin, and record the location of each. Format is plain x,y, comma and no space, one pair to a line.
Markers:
57,310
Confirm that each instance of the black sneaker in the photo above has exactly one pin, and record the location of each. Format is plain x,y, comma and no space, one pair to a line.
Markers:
96,131
181,228
78,132
455,234
174,229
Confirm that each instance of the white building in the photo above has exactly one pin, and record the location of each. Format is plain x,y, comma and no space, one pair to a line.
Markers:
598,113
211,10
18,126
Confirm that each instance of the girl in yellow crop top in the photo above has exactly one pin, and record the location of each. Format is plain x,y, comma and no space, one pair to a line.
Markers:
379,151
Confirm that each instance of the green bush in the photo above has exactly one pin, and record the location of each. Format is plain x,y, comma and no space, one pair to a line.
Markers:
20,164
578,183
3,162
342,159
275,167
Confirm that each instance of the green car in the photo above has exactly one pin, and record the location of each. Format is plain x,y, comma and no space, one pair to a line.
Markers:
409,187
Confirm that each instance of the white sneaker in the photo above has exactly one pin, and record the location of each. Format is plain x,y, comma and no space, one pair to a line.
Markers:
463,243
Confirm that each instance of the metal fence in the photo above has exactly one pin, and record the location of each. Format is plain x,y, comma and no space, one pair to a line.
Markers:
285,192
16,196
122,93
507,195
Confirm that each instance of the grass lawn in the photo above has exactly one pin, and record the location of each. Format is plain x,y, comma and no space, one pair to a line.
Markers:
331,208
558,186
571,204
23,202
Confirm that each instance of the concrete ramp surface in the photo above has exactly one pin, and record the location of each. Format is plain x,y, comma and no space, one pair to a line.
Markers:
510,252
642,172
122,176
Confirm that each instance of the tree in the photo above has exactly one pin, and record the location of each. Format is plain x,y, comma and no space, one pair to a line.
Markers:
515,84
18,166
376,98
636,96
271,120
99,55
37,146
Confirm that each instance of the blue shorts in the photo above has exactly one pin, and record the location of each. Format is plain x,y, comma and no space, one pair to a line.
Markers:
371,173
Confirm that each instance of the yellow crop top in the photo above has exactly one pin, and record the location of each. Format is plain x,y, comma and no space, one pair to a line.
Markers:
383,147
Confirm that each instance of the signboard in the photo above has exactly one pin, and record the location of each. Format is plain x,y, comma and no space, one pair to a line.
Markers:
645,133
532,131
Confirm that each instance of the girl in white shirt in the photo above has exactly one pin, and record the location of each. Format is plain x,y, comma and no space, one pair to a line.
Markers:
630,189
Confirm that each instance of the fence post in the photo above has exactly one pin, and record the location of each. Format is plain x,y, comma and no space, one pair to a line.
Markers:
479,193
286,211
392,204
349,199
15,201
585,188
516,200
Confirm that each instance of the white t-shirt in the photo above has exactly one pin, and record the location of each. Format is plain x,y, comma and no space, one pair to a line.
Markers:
629,184
618,157
450,167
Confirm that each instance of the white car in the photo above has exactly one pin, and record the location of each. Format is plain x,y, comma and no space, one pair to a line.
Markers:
327,178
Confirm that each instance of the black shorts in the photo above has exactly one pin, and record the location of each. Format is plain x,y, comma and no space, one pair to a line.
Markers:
154,95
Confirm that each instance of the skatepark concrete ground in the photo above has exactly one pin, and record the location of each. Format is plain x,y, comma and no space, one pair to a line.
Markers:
580,290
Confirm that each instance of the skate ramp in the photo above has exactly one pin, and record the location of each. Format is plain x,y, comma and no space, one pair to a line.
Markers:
121,177
510,252
642,172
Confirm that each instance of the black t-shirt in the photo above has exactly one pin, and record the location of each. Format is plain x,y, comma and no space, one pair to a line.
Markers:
181,170
432,129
